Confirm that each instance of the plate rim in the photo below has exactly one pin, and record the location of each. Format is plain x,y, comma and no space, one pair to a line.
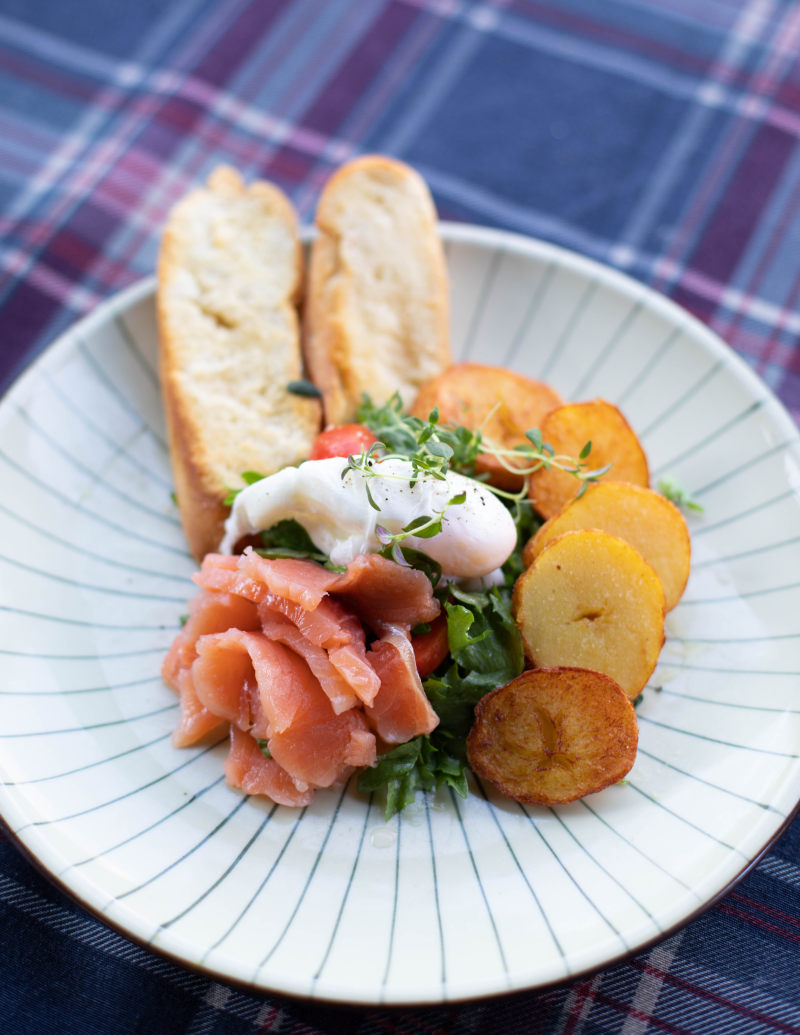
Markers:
495,238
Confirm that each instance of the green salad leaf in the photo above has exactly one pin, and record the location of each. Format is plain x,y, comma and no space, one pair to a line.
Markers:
288,538
676,494
485,652
421,764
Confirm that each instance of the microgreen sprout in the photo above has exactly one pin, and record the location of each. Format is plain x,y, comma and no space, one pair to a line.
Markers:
678,495
434,448
536,454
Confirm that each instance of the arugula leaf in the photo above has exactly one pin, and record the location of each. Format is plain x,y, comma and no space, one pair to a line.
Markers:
288,538
421,764
485,652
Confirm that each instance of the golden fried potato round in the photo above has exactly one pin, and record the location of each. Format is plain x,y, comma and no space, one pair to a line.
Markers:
553,735
640,516
591,600
567,429
502,404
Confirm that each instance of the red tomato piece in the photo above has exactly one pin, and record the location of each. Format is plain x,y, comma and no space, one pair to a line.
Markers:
341,440
431,648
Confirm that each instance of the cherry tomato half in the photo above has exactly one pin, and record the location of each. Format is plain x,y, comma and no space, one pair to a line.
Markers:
341,440
431,648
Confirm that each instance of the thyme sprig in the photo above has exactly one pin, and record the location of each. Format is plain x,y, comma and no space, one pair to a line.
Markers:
434,448
538,454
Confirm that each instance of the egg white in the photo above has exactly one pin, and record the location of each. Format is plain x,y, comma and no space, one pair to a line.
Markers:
477,536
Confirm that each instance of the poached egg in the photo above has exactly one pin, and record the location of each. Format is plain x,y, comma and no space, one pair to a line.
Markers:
476,537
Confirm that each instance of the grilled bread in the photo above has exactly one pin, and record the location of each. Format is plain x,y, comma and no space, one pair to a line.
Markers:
377,307
229,285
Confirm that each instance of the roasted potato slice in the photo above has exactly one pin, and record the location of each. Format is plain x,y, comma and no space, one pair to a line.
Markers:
591,600
553,735
640,516
567,429
502,404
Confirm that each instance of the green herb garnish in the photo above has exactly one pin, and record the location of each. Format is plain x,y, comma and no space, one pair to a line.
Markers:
418,765
305,388
678,495
432,447
288,538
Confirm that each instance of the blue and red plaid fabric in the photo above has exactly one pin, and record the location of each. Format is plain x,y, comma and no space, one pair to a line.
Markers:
660,136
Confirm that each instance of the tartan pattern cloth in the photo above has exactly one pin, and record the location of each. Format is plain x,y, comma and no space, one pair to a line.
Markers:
659,136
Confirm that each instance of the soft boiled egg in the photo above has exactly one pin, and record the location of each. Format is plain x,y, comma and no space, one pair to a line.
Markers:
476,537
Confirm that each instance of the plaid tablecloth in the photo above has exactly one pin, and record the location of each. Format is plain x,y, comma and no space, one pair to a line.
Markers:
660,136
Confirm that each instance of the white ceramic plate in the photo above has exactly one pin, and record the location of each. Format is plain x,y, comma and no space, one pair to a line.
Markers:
456,898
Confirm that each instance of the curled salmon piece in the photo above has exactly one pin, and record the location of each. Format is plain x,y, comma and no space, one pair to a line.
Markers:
379,590
401,709
208,613
330,637
329,625
253,577
248,768
323,748
248,680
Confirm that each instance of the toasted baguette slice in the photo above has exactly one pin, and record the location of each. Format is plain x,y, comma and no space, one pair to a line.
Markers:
377,306
229,282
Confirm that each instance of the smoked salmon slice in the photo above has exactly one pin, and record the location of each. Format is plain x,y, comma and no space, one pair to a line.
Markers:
208,613
336,688
380,590
383,592
322,748
336,632
258,685
401,709
251,681
252,576
247,767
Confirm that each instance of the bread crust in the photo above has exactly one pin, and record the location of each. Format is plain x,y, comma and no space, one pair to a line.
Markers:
229,284
377,302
